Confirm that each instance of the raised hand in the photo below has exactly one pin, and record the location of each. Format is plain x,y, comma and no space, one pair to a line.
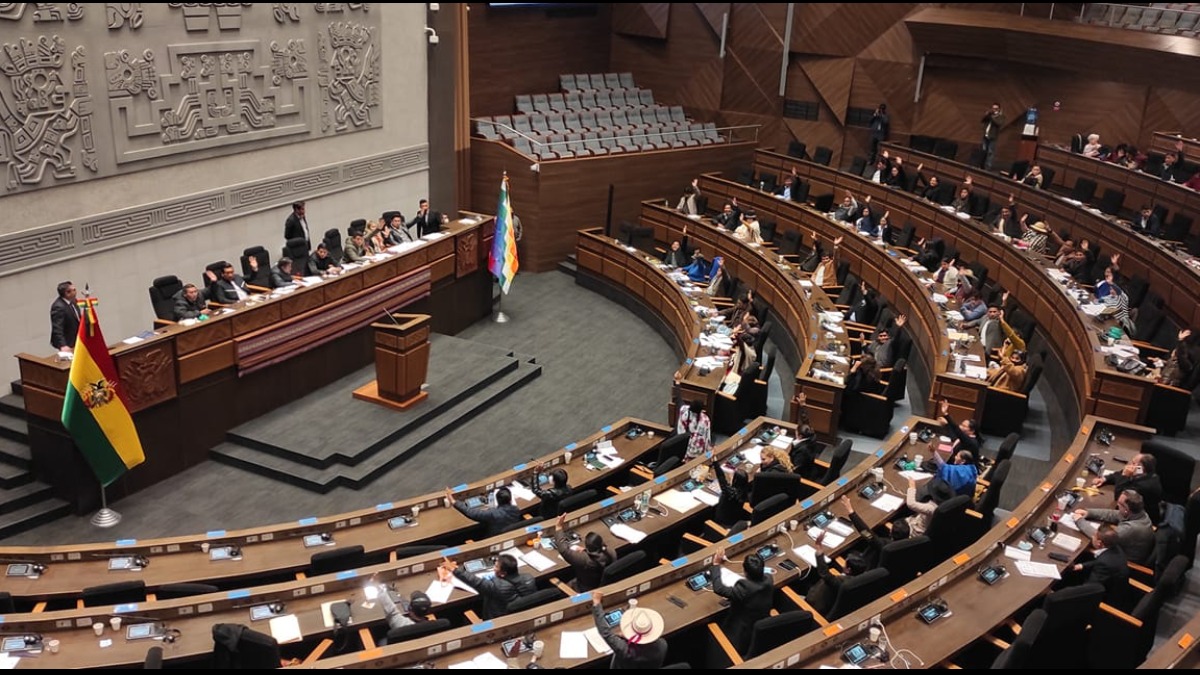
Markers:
901,320
838,241
597,598
944,407
1185,334
1115,259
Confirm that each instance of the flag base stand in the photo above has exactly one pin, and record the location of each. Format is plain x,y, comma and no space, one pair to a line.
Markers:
501,317
106,517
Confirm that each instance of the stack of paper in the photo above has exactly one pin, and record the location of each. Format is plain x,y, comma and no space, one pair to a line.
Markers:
681,502
535,559
572,645
729,577
286,629
977,372
806,553
593,637
706,497
520,492
629,534
753,454
1014,553
940,299
1037,570
888,503
782,442
485,661
1067,542
916,476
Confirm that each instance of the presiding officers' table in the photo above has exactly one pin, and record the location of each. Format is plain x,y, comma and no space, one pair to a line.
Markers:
187,385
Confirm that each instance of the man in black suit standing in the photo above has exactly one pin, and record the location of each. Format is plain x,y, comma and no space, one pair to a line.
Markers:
993,122
881,125
230,288
426,220
296,226
750,598
64,318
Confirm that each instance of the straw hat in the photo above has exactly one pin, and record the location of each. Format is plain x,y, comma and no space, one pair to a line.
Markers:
641,626
1039,226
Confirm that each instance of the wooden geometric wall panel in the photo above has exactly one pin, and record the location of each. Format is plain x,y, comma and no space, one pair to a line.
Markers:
1171,110
840,29
644,19
831,77
753,54
713,13
895,45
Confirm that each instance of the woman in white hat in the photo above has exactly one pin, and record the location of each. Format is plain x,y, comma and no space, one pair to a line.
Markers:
639,644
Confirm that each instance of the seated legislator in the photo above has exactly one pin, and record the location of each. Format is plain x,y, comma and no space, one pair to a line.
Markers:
506,584
864,376
924,507
1005,223
639,645
749,230
1138,475
965,434
867,225
1135,531
1009,375
1179,370
1035,236
189,304
401,614
497,519
750,598
230,288
588,560
1033,178
866,310
730,216
64,318
731,506
973,309
847,211
791,183
321,264
775,460
281,273
717,277
397,232
929,188
356,249
556,489
1147,222
825,273
883,347
1108,567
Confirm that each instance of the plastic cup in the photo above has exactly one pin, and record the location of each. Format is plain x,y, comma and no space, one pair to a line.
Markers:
874,633
98,627
204,547
1080,482
416,511
918,460
53,646
539,648
567,457
115,622
912,438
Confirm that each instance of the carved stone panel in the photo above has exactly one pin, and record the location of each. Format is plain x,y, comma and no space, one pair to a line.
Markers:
349,76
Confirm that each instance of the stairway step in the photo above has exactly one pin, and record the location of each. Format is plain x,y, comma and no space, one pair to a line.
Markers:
568,267
322,480
33,515
15,453
13,404
12,476
17,498
14,428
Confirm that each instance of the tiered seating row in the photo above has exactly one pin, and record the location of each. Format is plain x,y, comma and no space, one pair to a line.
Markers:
1177,18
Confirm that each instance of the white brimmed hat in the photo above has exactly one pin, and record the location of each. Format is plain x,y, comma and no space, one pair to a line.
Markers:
641,626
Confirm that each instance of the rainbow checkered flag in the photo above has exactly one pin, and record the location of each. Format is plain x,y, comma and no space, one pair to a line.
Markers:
502,262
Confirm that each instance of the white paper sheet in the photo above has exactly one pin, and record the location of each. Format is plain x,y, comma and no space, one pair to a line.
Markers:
484,661
593,637
888,503
623,531
439,592
676,500
840,528
806,553
729,577
753,454
286,629
520,492
782,442
916,476
537,561
1037,570
706,497
1068,520
9,662
1067,542
1015,553
572,645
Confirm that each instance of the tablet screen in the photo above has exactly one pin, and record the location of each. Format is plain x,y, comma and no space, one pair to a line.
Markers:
19,570
613,618
260,612
856,654
13,644
143,630
311,540
120,563
220,553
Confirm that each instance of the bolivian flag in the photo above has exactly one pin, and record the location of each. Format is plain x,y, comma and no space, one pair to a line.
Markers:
502,262
94,408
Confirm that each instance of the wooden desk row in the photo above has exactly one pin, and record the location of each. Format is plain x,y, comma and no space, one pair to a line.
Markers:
272,550
193,617
977,608
209,377
1167,271
1099,389
1181,651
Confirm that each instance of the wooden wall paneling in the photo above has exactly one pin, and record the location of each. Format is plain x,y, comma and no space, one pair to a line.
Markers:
685,69
1169,109
523,51
843,29
831,77
753,54
644,19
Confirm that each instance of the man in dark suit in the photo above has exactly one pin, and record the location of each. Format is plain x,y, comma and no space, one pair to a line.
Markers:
281,273
1147,222
426,220
881,124
189,304
729,217
750,599
1109,568
64,318
498,519
993,122
230,288
320,262
677,255
505,585
1138,475
296,226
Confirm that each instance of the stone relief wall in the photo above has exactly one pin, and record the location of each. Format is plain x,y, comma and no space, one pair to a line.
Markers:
92,90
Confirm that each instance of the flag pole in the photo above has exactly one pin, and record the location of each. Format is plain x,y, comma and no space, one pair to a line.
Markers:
105,517
501,317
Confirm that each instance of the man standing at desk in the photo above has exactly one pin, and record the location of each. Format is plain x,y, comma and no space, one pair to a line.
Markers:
993,121
296,226
64,318
750,599
426,220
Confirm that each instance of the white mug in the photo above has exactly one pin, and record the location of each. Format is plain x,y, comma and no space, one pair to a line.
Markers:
416,511
98,627
539,648
912,438
115,622
53,645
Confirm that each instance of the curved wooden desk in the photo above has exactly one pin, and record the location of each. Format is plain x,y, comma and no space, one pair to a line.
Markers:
274,550
1179,652
977,607
1099,389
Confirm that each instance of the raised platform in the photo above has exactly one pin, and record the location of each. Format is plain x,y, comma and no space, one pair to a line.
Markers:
329,438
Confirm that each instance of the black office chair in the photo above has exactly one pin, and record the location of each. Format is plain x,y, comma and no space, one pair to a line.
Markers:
991,494
766,229
1168,409
823,155
905,559
858,165
768,484
797,149
578,500
673,446
770,507
823,203
858,590
523,524
1069,612
337,560
215,268
534,599
774,631
1115,642
154,659
333,244
625,566
1112,201
921,143
7,606
415,630
946,149
162,296
183,590
414,550
800,190
1016,656
263,276
236,647
1175,469
667,466
297,250
1085,189
119,593
837,461
951,528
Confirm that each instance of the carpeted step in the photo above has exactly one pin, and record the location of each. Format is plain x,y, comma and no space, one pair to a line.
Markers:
17,498
15,453
33,515
13,404
13,427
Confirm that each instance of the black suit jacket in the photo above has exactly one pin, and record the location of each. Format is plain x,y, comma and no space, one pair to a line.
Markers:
188,310
730,221
1150,226
292,229
428,223
749,601
224,292
1111,570
64,324
280,278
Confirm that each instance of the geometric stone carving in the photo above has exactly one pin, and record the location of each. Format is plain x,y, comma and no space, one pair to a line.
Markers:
43,12
288,63
39,116
339,7
348,75
214,94
197,16
286,11
117,14
147,376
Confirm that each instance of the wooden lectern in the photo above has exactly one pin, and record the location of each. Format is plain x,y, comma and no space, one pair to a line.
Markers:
401,362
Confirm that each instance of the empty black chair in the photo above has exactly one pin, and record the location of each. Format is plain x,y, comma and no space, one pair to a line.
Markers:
921,143
798,150
1077,143
413,550
945,149
667,465
823,155
858,590
768,484
1047,180
823,203
632,232
991,494
767,230
625,566
774,631
1016,657
578,500
1175,469
675,446
337,560
263,276
162,296
800,190
950,528
770,507
1111,201
1069,612
1150,318
1085,189
850,292
858,165
906,558
333,244
183,590
746,176
1178,228
415,630
524,524
1019,169
236,647
791,243
154,659
1168,409
534,599
119,593
837,461
6,603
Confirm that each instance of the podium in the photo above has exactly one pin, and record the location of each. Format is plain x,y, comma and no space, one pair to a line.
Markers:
401,362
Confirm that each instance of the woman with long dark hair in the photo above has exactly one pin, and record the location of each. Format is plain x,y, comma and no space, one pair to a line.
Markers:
588,561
